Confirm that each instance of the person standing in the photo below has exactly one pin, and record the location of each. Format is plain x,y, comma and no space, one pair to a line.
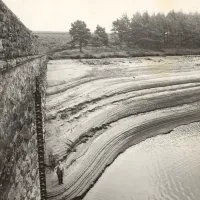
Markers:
60,172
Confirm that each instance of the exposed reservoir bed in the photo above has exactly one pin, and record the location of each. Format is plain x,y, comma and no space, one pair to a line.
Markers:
162,167
96,109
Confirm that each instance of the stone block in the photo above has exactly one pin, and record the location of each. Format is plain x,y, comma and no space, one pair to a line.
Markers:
3,65
2,16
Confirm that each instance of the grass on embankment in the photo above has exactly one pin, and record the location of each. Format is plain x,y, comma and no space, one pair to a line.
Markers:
56,45
110,52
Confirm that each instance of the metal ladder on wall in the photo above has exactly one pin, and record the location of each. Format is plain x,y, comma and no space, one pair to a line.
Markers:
40,139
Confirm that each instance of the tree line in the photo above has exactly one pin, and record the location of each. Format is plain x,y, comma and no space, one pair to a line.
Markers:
155,31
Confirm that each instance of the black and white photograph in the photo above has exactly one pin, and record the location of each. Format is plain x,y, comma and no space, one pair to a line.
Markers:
99,100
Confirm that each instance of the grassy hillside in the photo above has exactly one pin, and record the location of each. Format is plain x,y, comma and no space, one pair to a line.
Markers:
124,52
55,45
52,41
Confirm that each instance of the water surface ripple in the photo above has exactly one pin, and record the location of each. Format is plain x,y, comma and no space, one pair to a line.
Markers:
166,167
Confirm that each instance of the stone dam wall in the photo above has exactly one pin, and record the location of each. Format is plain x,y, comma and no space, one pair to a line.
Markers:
15,39
20,66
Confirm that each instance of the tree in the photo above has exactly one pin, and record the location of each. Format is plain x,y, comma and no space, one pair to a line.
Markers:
122,28
103,36
96,41
114,40
80,33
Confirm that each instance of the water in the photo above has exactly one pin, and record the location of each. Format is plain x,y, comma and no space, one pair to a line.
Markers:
166,167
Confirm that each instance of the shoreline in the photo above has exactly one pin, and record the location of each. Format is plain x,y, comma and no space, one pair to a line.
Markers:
124,54
127,139
81,197
98,117
190,130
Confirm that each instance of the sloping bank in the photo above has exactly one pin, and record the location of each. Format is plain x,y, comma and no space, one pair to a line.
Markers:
101,129
107,147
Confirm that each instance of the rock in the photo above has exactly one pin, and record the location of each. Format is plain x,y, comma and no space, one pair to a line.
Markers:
3,65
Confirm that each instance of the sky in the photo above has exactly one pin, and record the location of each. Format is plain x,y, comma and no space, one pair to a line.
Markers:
57,15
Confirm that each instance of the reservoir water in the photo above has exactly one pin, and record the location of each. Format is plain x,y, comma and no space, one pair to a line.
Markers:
166,167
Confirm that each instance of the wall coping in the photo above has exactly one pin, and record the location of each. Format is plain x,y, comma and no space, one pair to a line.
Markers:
12,63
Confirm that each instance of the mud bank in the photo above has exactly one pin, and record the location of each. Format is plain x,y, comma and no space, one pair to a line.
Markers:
110,105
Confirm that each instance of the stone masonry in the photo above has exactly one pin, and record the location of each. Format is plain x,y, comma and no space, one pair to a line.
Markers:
20,66
15,39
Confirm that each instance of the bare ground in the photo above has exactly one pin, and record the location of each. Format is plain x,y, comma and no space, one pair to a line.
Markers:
99,108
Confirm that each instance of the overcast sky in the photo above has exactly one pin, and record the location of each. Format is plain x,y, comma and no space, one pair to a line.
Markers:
57,15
